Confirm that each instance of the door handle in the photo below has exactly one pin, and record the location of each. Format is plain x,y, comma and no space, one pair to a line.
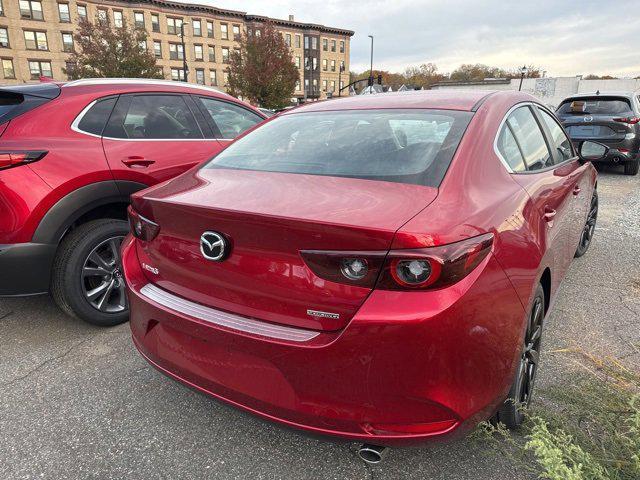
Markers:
137,161
549,214
576,190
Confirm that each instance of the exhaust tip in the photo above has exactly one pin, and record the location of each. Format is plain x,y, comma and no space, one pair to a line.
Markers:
371,454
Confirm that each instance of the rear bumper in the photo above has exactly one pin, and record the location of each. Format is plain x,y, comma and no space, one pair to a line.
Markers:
397,374
25,268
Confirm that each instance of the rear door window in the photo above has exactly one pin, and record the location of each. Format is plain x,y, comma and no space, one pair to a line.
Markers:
559,141
95,119
510,151
228,120
530,139
596,106
153,117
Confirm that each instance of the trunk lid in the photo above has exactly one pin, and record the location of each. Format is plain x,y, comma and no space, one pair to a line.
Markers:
267,219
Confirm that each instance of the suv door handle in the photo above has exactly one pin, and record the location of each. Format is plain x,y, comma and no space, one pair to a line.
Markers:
549,214
576,190
136,161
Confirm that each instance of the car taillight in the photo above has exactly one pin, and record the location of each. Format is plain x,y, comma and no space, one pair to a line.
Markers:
141,227
14,158
415,269
629,120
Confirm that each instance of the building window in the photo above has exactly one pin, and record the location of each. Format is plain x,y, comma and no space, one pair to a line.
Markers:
314,43
197,28
103,16
143,45
7,68
200,76
333,45
342,66
341,46
333,85
333,65
324,64
341,84
297,62
39,68
31,9
82,12
306,84
118,19
225,77
212,53
224,31
198,52
176,52
325,44
258,32
287,39
35,40
315,84
67,42
297,41
225,55
177,74
315,63
297,85
157,48
213,77
138,19
209,29
306,43
1,9
174,25
4,37
155,22
324,85
236,32
63,12
69,68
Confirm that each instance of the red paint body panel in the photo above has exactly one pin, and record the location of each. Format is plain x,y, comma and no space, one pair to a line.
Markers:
442,357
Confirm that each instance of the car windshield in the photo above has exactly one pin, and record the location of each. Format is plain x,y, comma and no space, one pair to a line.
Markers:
596,106
406,146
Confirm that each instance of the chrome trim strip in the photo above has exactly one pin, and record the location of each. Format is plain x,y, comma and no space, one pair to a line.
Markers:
225,319
76,122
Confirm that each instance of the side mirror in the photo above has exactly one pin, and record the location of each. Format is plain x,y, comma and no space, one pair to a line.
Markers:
590,151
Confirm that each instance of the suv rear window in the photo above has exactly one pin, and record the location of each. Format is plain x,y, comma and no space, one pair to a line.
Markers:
405,146
596,106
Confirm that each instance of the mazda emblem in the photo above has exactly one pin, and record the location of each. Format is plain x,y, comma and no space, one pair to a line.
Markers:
213,246
588,118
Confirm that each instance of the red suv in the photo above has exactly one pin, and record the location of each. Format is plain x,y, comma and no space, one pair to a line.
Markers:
70,157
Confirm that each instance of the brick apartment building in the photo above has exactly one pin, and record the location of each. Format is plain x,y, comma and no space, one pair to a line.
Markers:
36,37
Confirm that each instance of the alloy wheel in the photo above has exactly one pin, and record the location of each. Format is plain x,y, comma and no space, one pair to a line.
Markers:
531,354
590,225
102,282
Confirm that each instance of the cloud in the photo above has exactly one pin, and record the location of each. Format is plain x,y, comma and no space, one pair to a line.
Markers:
566,37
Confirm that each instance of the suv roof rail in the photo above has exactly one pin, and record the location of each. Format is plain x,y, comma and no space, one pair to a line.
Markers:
139,81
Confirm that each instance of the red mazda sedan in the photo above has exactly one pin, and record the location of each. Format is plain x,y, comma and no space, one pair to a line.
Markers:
376,268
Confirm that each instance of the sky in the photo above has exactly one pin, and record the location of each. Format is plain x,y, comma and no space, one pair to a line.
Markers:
563,37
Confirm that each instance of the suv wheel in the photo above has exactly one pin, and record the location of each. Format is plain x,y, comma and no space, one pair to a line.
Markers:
632,167
87,280
511,413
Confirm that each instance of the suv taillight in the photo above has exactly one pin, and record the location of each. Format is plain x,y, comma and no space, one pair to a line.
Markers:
629,120
415,269
14,158
142,228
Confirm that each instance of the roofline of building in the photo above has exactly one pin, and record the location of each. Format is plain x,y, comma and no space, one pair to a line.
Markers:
196,7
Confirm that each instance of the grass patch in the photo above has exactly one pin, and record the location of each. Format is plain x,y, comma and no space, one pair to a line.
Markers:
586,430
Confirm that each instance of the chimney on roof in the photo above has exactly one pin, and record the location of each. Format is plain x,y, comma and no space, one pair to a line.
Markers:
291,18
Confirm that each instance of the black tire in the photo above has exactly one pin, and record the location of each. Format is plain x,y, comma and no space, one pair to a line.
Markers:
632,167
589,227
512,412
76,274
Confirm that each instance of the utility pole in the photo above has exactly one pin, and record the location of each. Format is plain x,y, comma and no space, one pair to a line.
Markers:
371,69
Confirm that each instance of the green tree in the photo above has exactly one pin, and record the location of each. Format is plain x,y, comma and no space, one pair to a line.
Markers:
102,50
261,70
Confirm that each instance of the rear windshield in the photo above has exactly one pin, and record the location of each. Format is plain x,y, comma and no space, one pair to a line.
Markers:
405,146
596,106
9,101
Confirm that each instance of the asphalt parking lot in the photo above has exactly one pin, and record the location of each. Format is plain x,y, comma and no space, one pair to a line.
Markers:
78,401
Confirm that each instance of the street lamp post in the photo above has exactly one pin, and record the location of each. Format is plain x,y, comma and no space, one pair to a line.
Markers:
371,69
523,72
184,52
